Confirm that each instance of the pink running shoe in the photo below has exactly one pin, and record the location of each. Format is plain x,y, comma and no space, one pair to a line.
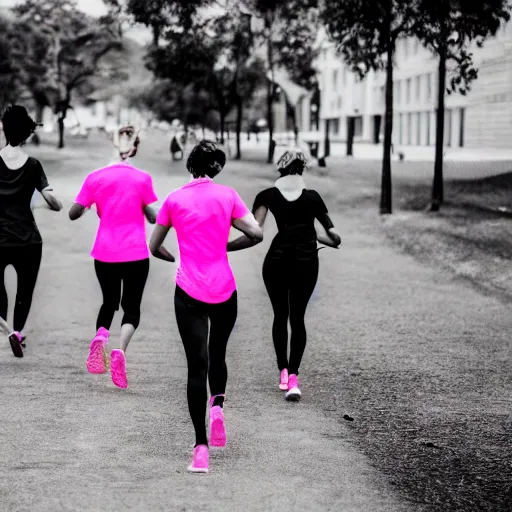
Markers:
283,384
97,360
118,368
15,340
217,426
293,394
199,460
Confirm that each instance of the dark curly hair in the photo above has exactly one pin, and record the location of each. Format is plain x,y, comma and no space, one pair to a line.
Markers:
206,159
292,161
18,125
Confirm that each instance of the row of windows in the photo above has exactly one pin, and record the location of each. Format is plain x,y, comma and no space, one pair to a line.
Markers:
419,89
419,128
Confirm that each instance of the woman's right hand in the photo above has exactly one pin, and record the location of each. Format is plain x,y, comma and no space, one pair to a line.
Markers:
164,254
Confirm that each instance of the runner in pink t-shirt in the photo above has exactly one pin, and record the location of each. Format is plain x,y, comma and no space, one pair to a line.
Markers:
202,213
122,195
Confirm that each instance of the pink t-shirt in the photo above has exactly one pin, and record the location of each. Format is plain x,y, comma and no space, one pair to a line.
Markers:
120,192
201,212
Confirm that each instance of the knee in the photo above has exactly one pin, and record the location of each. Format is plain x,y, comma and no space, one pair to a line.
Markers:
131,318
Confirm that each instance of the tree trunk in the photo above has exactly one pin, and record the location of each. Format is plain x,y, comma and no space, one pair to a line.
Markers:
39,112
386,203
350,135
270,89
222,124
61,130
437,186
239,118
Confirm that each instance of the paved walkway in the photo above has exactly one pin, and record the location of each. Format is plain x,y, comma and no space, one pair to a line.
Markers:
379,324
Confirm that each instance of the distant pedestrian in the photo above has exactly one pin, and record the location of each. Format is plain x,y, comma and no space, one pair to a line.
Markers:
122,195
21,244
202,213
290,269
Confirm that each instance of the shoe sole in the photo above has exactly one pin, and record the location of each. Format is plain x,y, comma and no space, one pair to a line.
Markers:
16,347
294,395
198,471
219,440
97,355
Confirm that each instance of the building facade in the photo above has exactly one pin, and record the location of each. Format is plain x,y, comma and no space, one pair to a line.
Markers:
482,118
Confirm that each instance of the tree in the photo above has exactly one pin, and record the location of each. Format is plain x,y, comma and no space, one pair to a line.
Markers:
76,44
447,28
10,80
288,30
365,33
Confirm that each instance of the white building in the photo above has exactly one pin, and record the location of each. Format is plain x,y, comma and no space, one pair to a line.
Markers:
482,118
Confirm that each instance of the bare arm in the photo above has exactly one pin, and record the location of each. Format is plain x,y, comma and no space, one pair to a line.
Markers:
156,241
331,238
150,214
252,226
76,211
53,203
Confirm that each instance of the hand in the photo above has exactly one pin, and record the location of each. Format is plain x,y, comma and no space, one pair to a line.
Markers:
164,254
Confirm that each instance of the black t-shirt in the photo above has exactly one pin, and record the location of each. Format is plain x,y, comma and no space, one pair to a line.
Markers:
17,186
295,219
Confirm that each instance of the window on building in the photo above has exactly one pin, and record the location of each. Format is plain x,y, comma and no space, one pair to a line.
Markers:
408,91
418,129
461,132
358,126
428,128
401,135
448,127
334,126
335,79
415,46
405,46
396,92
339,102
344,75
418,87
409,128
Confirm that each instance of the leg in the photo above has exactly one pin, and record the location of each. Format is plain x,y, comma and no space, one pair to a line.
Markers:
302,288
4,262
274,277
135,276
192,320
110,282
27,266
222,320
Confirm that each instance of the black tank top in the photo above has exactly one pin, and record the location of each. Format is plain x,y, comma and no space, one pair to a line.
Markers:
295,220
17,223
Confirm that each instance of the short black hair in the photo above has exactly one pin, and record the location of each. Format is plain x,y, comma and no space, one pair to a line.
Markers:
18,125
206,159
292,161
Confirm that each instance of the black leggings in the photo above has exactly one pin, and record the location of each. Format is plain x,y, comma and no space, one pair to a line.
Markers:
26,260
290,282
133,276
192,318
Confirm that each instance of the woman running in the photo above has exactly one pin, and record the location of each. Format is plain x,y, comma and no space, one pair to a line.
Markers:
290,269
202,213
20,241
122,194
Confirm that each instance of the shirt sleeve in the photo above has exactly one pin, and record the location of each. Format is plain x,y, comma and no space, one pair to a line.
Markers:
239,207
148,193
261,200
320,210
164,214
85,197
41,179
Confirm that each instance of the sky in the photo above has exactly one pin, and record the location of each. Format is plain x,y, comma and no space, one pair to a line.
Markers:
95,8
